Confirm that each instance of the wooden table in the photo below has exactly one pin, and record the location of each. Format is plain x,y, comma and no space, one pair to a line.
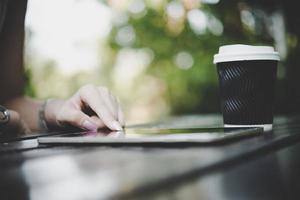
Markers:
266,166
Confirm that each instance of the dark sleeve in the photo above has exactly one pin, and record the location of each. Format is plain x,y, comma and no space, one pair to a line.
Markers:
3,5
12,78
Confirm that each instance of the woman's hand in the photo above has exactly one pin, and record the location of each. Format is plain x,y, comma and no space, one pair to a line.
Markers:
14,127
89,109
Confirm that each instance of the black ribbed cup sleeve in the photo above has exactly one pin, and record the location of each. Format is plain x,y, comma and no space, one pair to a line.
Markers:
247,91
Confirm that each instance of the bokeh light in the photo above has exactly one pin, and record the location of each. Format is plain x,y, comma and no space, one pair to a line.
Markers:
155,55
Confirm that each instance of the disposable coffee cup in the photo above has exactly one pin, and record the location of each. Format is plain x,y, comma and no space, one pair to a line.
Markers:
247,76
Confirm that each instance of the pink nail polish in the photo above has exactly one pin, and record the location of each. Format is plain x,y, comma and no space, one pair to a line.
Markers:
89,126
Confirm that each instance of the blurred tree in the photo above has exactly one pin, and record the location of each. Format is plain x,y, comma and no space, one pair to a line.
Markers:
173,43
184,36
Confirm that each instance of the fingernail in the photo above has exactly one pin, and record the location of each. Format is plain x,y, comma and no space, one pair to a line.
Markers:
89,125
116,126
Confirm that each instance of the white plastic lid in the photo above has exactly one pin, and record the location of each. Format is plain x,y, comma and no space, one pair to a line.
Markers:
239,52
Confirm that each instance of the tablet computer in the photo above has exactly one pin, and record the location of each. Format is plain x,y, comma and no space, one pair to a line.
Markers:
153,135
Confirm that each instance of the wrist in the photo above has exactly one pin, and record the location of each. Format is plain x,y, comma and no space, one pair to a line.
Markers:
51,108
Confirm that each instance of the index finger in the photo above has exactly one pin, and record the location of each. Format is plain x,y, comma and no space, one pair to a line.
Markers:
92,97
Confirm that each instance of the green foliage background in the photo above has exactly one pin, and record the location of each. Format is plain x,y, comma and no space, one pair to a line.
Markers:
193,90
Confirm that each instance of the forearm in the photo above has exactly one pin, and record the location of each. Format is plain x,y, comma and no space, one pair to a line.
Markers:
28,109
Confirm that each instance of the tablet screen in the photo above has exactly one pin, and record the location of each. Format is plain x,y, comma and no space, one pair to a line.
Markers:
136,135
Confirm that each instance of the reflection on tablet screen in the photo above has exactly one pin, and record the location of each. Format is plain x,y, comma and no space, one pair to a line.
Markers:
178,132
